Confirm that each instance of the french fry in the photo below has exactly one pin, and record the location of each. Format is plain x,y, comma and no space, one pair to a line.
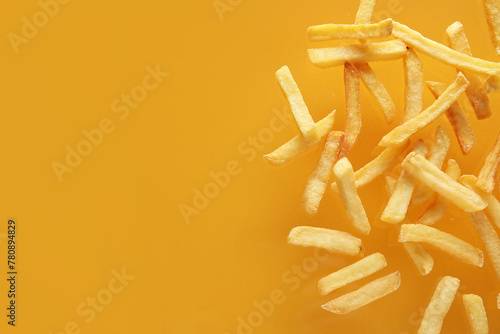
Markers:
352,203
443,241
456,117
476,314
493,208
439,305
397,207
331,31
364,295
414,85
443,53
352,273
296,146
377,89
498,301
356,53
439,204
486,178
457,40
353,108
441,183
376,167
365,11
317,182
492,11
489,237
332,240
399,135
306,125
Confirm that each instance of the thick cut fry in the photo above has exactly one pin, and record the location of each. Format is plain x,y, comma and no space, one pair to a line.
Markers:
492,11
356,271
353,108
317,183
347,189
364,295
486,178
443,53
414,85
446,242
365,11
493,208
441,183
334,241
306,125
330,31
296,146
489,237
475,92
327,57
377,89
456,117
476,314
399,135
439,204
376,167
439,305
396,209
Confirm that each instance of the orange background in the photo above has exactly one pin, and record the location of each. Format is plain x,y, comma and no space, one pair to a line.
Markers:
120,206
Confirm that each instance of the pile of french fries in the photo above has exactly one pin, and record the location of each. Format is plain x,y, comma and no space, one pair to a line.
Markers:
421,174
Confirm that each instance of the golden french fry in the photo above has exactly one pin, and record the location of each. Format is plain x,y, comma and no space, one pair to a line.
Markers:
458,120
439,205
457,40
306,125
414,85
492,12
476,314
439,305
486,178
365,11
400,134
347,189
489,237
352,273
441,183
353,108
317,182
376,167
446,242
390,184
377,89
327,57
397,207
332,240
443,53
493,208
364,295
330,31
296,146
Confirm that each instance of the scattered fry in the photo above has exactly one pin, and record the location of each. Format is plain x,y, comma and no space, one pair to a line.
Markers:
332,240
439,305
446,242
476,314
352,273
330,31
365,11
493,208
414,85
364,295
492,11
489,237
486,178
347,189
353,108
317,183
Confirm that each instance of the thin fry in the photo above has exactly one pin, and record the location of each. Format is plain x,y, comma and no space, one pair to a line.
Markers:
446,242
401,133
352,203
352,273
439,305
414,85
331,31
327,57
365,11
486,178
493,208
317,182
476,314
492,12
353,108
332,240
364,295
489,237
